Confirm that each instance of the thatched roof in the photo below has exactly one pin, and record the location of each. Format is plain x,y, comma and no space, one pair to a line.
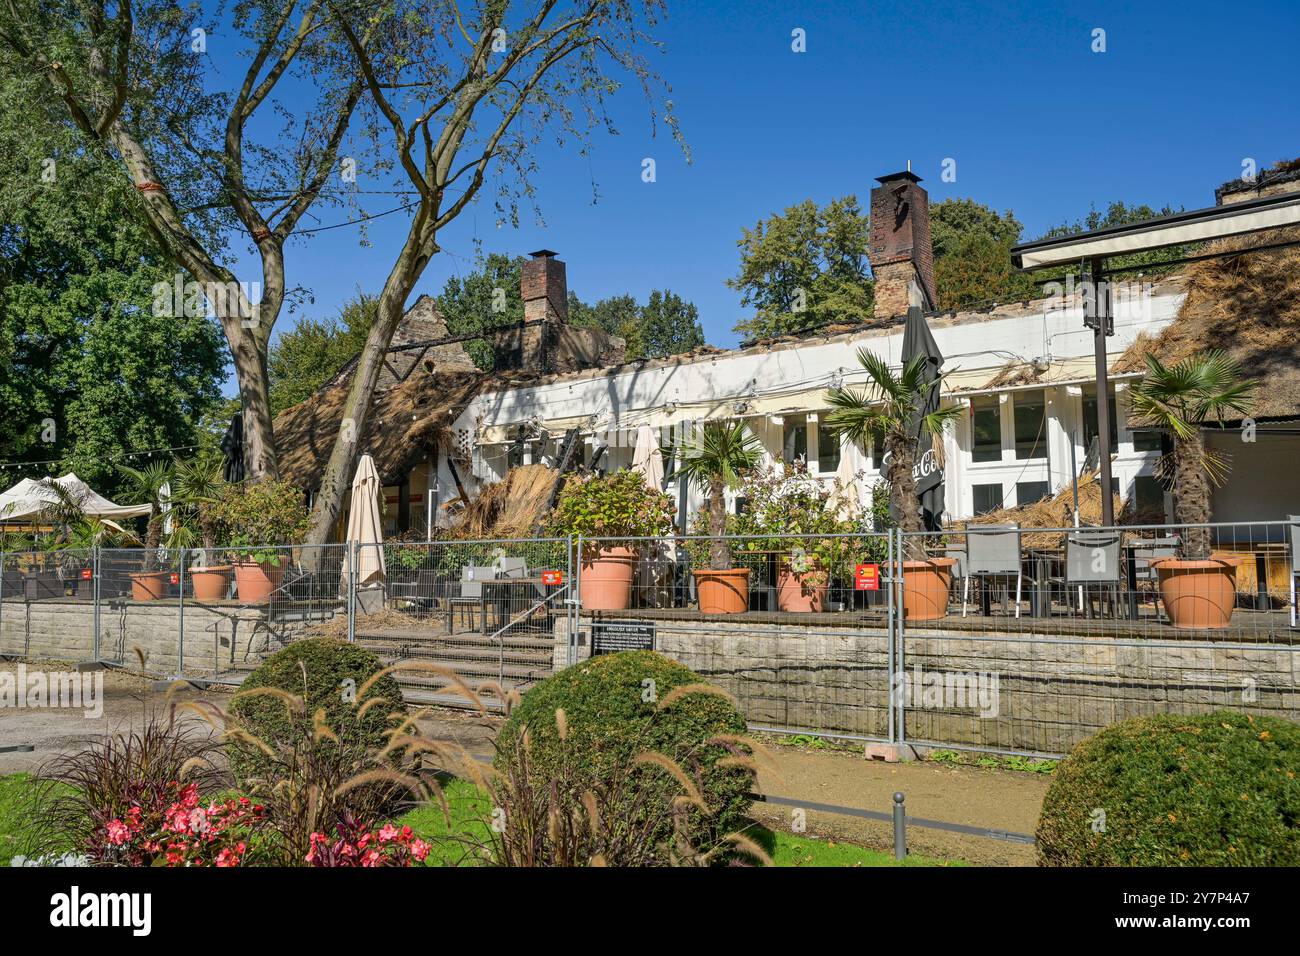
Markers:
406,423
512,508
1248,305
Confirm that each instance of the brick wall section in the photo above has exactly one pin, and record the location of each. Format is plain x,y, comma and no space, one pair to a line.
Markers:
900,235
1052,693
64,630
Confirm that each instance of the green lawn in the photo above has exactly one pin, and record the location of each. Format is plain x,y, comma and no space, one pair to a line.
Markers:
468,808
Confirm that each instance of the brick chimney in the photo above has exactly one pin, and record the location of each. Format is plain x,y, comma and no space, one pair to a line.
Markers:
549,344
902,259
544,288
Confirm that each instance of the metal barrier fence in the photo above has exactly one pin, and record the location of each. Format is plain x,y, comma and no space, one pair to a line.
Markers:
990,638
994,639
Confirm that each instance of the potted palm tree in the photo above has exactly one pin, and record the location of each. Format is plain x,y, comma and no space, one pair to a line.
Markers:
716,459
1198,588
893,405
199,484
146,486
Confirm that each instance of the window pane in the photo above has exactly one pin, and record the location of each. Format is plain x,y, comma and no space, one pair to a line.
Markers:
1146,441
1090,419
986,430
987,498
796,441
1030,413
1148,495
828,450
1027,492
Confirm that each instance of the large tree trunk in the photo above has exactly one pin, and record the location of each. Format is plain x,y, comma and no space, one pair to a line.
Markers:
254,391
719,546
337,476
1192,495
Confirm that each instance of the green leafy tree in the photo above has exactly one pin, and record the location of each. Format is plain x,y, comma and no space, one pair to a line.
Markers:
972,255
308,355
804,268
486,296
88,370
669,326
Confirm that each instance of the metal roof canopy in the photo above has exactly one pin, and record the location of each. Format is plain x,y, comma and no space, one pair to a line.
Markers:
1094,248
1182,228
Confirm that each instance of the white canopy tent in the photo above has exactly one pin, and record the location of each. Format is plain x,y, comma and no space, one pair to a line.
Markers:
30,497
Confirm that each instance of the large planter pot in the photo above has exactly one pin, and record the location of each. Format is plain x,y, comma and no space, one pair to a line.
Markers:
925,588
148,585
723,592
255,581
607,579
800,591
210,584
1198,595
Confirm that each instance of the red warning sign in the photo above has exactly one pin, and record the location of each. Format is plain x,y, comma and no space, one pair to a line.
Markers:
552,578
866,577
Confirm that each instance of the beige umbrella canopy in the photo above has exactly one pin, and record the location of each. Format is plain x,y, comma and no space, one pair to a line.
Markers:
363,523
657,557
648,459
850,482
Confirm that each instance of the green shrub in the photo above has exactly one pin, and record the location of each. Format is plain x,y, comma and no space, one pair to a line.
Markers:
1207,790
617,505
611,716
327,675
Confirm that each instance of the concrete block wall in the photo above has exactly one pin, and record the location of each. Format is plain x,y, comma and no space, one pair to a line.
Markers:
1051,692
218,637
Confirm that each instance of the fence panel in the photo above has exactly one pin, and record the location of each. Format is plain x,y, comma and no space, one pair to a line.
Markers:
493,612
42,595
806,649
1028,640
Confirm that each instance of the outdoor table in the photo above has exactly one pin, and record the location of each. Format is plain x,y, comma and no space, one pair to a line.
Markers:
502,588
1040,591
1263,551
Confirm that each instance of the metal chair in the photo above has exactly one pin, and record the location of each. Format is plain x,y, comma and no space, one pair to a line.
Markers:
1092,557
1294,528
993,550
958,554
1145,552
470,596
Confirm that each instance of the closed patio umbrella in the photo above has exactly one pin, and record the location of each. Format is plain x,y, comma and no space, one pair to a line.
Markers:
364,528
918,340
854,495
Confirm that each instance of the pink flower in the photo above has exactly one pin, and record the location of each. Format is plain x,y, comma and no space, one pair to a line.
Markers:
117,832
419,850
388,833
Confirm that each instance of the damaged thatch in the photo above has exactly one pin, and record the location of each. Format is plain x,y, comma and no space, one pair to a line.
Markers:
407,423
1247,305
511,508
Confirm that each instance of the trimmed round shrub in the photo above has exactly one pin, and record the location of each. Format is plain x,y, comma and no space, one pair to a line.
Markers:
326,674
1216,789
611,713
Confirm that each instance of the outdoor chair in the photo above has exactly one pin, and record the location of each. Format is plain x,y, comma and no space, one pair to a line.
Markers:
993,551
1092,560
1294,529
420,592
512,567
1144,553
470,596
958,554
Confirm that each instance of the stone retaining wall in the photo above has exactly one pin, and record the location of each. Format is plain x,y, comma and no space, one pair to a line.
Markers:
1045,693
219,637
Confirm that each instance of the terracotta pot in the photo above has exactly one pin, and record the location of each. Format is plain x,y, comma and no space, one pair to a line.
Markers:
254,582
1198,594
800,591
148,585
210,584
723,592
607,579
925,588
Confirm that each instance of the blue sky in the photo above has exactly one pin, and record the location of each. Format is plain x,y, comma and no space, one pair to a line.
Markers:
1036,121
